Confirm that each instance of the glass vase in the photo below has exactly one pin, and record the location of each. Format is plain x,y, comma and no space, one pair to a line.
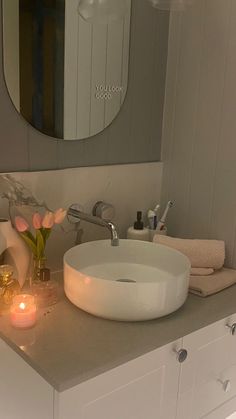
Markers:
38,264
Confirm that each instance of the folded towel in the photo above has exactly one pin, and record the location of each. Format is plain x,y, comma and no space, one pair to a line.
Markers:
201,271
211,284
201,253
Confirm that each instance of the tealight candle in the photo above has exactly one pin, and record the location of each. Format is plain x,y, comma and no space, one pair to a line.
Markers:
23,311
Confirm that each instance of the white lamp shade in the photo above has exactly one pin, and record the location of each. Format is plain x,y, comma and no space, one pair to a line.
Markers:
102,11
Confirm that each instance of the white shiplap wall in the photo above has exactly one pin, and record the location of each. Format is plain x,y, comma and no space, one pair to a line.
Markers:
95,55
199,147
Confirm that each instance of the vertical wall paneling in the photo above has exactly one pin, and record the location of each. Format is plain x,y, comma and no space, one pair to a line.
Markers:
98,77
71,72
184,111
85,46
114,67
98,54
160,45
170,99
126,50
209,113
143,75
224,198
123,120
199,127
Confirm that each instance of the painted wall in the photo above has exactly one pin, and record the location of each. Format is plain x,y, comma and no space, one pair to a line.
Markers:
128,188
200,123
134,136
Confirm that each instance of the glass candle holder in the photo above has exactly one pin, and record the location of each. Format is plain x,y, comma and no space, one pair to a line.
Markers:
23,311
45,290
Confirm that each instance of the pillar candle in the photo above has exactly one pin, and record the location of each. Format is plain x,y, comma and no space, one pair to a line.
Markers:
23,311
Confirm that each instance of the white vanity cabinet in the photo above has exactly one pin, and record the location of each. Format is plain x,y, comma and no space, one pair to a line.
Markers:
145,388
153,386
23,393
207,387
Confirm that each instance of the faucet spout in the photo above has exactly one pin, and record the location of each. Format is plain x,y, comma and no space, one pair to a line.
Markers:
96,220
114,234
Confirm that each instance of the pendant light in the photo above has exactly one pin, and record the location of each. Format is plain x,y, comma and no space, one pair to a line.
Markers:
102,11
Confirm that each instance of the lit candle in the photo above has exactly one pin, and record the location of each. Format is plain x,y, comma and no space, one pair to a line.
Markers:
23,311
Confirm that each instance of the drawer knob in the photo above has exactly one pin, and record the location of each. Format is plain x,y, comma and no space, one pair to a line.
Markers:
226,385
181,355
232,328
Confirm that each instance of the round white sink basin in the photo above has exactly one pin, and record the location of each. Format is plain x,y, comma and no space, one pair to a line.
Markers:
134,281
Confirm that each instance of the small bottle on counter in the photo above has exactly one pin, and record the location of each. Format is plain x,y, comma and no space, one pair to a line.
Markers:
138,231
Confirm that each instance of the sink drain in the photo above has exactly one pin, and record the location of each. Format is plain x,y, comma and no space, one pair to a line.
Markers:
126,280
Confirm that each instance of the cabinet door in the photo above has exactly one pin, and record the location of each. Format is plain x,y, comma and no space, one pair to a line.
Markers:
23,393
227,411
143,388
208,377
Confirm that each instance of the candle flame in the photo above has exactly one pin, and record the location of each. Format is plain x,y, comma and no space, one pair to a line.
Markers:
22,306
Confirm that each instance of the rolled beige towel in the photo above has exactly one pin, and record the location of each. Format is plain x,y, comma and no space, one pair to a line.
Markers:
201,253
201,271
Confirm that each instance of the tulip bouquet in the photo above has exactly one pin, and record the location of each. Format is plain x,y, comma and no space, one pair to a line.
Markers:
43,226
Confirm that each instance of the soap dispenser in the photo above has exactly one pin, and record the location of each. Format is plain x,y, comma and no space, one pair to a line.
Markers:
138,231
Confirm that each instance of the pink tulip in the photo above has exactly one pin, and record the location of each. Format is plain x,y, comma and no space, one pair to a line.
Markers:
59,215
37,221
21,224
48,220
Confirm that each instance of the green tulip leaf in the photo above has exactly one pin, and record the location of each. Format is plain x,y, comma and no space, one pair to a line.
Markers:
48,232
31,237
45,233
29,243
40,244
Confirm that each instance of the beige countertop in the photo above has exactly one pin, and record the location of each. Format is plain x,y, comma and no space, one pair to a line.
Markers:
69,346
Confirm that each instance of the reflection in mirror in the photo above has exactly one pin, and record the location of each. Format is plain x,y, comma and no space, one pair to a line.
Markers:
66,75
102,11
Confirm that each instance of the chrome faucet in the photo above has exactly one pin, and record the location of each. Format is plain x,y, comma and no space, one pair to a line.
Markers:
75,212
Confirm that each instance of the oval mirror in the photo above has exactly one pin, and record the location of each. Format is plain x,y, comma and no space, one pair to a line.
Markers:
66,63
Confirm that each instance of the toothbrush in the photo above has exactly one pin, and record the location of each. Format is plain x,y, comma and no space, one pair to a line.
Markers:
161,223
156,210
152,217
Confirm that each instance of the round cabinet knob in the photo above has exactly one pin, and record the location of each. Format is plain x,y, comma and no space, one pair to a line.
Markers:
181,355
226,385
232,329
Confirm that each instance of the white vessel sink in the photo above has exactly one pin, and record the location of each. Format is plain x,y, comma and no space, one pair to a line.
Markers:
131,282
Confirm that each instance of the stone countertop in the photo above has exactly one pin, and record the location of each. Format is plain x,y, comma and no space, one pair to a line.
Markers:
68,346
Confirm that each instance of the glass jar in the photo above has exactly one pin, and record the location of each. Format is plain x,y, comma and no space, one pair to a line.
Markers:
9,287
44,289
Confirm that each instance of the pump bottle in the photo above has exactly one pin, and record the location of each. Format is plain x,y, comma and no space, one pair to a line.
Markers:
138,231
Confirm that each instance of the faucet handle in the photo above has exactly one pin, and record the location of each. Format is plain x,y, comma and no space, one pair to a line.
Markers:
104,211
71,219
